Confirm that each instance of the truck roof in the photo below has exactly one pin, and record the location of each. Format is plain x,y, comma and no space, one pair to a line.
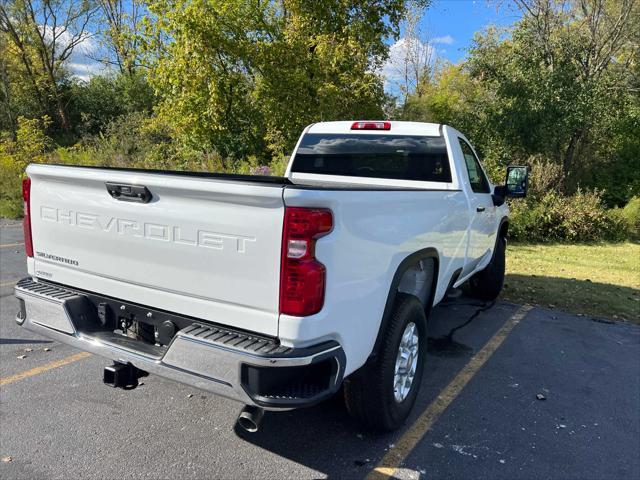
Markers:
397,128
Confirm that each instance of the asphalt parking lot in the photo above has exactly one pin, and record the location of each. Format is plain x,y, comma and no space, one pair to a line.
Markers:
478,415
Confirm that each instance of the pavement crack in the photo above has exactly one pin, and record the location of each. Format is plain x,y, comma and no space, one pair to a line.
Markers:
446,345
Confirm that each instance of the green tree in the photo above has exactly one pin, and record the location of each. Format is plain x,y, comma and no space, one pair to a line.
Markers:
561,77
96,103
120,33
43,34
244,76
562,83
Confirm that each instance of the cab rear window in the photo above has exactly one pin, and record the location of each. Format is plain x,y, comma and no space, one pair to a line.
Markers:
375,156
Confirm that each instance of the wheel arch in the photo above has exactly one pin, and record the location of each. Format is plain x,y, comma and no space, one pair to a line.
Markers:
503,227
405,265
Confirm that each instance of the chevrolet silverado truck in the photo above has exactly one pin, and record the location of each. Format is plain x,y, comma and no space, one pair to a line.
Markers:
273,291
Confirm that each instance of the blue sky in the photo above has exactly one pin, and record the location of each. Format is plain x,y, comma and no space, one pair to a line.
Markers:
445,32
451,24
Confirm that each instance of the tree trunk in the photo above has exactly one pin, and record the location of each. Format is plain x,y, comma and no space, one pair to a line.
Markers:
569,157
62,115
60,110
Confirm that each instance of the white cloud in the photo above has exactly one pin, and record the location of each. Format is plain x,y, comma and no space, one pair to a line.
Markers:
404,56
81,63
446,40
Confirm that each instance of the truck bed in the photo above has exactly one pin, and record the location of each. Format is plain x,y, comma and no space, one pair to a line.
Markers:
203,245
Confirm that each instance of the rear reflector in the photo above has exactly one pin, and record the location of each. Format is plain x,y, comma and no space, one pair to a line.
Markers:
371,126
302,277
26,221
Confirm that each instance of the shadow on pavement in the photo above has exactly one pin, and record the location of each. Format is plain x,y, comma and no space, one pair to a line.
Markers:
327,440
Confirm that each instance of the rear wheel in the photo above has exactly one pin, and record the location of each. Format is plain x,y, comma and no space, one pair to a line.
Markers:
381,393
487,284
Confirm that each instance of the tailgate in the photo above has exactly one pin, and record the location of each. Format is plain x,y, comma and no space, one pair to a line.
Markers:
203,247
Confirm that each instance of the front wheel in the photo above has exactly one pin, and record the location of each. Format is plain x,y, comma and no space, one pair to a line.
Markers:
487,284
381,394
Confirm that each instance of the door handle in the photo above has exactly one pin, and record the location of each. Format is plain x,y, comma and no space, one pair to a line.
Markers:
129,193
480,209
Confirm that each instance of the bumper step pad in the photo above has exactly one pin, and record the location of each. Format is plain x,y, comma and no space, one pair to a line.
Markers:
237,340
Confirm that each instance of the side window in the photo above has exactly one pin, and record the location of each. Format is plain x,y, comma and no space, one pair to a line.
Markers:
479,182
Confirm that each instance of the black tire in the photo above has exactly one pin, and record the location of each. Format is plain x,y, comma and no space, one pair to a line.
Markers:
369,392
487,284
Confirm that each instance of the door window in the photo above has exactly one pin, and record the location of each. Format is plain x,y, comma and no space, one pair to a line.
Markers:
477,178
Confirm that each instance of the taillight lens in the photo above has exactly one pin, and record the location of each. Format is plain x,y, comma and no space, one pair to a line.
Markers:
302,277
26,221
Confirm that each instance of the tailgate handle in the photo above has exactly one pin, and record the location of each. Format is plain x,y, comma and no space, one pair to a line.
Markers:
129,193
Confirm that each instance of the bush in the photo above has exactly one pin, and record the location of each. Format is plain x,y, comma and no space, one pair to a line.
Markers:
134,140
31,145
96,103
545,176
631,215
621,229
546,215
10,185
581,217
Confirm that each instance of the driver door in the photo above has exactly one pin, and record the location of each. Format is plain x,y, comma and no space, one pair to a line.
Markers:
483,211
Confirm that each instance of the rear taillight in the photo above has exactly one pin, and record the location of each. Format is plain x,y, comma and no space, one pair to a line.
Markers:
26,222
371,126
302,277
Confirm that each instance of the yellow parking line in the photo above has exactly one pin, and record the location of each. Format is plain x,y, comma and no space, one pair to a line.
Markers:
4,245
43,368
6,284
386,468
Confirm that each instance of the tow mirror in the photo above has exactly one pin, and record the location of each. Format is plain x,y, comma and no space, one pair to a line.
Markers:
515,187
517,182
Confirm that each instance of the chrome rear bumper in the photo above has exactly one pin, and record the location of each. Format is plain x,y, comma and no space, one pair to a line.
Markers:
232,364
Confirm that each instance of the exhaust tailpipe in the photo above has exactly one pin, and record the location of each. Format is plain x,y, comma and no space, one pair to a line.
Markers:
250,418
122,375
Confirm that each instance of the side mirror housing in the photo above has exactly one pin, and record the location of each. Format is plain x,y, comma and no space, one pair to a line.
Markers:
498,196
517,182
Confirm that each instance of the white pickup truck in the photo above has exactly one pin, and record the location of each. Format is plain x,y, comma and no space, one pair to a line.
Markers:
273,291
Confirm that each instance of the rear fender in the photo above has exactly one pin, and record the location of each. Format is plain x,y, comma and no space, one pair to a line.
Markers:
408,263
